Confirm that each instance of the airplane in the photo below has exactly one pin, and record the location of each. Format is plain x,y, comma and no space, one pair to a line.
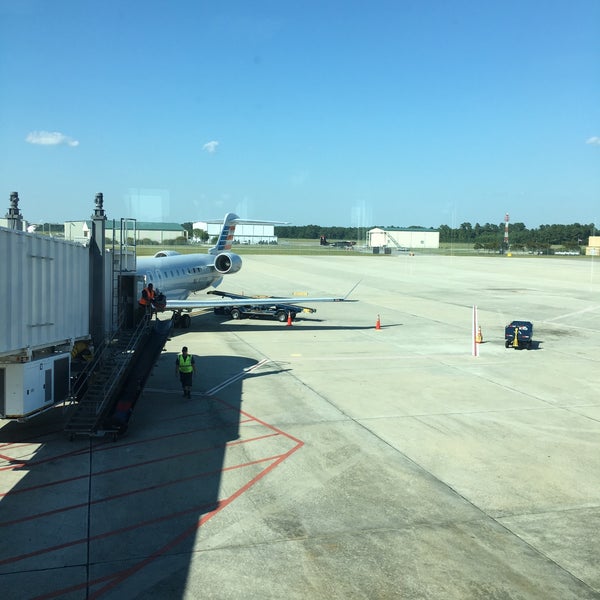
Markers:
177,276
337,244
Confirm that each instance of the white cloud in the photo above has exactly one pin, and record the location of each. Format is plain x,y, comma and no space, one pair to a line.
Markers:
50,138
594,140
210,147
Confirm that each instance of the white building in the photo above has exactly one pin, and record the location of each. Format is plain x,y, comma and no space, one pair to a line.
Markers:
145,232
593,247
413,239
244,233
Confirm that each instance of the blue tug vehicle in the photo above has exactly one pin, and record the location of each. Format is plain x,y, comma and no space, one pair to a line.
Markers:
518,334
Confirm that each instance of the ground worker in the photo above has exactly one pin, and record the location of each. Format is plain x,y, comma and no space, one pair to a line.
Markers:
185,367
146,300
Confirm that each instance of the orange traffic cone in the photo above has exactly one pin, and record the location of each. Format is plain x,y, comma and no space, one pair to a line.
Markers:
479,337
378,323
289,321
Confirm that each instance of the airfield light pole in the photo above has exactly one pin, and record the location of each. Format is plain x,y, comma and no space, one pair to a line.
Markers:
475,327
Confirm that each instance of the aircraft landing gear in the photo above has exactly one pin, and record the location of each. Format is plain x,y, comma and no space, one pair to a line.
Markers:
183,321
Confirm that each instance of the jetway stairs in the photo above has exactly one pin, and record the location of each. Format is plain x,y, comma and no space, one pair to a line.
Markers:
100,383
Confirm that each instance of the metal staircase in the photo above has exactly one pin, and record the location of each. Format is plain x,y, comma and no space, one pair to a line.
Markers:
98,384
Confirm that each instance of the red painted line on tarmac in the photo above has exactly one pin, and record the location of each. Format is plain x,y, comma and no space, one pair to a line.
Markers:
130,493
31,463
272,427
119,578
134,526
113,580
14,467
106,445
34,439
14,445
109,582
35,488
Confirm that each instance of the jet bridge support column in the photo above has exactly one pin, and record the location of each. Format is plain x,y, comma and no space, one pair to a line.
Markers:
13,216
97,280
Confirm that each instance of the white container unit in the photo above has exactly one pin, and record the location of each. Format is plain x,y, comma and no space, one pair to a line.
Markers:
31,387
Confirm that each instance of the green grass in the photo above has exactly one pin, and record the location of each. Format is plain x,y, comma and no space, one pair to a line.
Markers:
295,247
285,247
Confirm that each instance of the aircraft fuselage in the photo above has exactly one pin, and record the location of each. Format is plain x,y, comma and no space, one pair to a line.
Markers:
179,275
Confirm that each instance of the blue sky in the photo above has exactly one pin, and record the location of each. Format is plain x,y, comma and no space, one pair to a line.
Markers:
411,112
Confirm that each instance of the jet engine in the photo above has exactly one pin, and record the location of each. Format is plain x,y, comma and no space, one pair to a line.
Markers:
227,263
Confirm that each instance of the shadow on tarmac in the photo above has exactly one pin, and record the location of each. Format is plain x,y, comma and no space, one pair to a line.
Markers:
535,345
95,518
251,325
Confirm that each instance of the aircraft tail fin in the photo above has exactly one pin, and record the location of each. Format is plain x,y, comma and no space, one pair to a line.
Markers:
229,222
226,236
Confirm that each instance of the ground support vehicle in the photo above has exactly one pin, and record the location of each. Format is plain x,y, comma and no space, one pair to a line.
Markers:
280,312
277,311
519,334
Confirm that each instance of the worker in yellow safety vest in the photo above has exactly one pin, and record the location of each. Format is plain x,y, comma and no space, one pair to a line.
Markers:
185,367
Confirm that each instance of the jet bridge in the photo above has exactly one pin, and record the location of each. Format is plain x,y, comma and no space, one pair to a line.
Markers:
45,312
61,295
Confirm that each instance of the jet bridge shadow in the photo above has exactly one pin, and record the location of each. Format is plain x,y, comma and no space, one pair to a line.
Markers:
96,518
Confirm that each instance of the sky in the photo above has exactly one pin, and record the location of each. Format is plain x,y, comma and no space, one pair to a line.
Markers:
355,114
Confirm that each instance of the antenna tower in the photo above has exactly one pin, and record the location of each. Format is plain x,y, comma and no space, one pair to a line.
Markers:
506,219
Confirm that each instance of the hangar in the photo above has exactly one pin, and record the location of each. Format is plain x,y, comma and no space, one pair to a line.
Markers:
244,233
145,232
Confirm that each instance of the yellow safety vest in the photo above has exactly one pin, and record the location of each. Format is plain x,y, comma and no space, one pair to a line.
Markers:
185,364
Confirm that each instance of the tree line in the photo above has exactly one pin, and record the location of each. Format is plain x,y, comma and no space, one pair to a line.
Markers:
488,236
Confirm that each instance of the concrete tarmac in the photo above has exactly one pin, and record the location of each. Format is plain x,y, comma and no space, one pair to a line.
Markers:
330,459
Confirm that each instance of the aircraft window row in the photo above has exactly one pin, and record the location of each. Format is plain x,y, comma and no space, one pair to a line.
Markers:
174,273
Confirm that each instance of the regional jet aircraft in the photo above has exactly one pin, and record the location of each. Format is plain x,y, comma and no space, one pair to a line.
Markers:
177,275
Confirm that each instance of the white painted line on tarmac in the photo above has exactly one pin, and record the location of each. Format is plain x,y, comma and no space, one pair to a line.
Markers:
236,377
572,314
225,383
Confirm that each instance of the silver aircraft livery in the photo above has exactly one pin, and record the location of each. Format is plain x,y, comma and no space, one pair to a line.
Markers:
177,276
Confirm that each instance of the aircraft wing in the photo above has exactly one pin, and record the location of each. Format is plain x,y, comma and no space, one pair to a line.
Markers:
195,304
228,299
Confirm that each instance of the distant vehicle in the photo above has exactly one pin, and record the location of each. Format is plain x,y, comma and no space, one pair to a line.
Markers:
519,334
280,312
337,244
